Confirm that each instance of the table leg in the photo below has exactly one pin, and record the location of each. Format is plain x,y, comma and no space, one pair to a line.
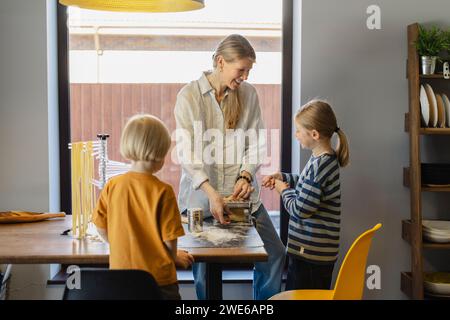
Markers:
213,281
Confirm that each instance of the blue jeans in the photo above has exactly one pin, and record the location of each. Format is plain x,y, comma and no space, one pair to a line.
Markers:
266,275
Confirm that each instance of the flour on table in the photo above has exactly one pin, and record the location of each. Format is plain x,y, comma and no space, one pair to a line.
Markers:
217,236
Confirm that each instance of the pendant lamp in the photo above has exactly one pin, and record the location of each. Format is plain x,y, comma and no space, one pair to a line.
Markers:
137,5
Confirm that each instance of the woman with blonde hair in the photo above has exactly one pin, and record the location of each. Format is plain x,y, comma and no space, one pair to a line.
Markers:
221,104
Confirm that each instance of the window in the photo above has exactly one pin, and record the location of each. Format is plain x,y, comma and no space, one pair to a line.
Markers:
121,64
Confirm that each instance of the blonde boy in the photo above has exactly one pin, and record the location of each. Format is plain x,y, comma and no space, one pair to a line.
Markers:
138,214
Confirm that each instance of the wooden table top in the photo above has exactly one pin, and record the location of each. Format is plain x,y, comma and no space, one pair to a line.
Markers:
42,243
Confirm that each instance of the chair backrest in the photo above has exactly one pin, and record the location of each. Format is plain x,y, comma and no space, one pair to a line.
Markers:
106,284
350,280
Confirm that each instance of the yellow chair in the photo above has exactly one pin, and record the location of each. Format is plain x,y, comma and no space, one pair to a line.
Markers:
350,280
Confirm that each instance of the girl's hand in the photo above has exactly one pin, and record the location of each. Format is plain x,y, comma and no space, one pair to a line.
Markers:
242,189
184,259
280,186
269,181
218,208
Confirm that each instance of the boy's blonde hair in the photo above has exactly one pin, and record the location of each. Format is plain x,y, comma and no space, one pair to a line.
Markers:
145,138
318,115
232,48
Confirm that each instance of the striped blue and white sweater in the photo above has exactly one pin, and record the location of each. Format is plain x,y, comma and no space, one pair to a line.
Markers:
314,205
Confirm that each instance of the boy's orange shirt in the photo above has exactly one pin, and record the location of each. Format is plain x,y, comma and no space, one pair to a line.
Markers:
140,212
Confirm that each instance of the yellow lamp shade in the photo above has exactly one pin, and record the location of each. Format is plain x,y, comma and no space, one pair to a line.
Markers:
136,5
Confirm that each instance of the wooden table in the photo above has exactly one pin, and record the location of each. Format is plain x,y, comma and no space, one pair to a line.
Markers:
42,243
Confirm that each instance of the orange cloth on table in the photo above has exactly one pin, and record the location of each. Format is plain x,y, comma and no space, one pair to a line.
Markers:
140,212
26,216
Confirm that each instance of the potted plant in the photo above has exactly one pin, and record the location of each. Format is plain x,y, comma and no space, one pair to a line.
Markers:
429,45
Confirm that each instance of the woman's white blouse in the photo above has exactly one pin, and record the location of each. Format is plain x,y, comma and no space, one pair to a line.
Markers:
207,151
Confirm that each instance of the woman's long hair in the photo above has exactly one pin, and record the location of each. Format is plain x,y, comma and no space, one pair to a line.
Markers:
232,48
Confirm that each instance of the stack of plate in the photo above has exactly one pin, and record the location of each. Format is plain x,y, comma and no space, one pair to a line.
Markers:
435,108
436,230
437,284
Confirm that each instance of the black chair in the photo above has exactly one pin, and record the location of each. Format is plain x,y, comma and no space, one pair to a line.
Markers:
105,284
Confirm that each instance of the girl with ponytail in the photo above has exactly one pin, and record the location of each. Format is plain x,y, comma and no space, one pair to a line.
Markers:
313,198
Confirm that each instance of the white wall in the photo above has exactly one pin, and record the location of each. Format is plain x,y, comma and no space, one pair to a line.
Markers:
23,106
362,73
24,125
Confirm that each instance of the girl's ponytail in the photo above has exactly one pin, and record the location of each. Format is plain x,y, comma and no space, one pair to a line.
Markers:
342,151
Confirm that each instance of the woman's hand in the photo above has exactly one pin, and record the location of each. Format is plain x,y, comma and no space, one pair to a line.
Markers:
280,186
269,181
242,189
216,203
218,208
184,259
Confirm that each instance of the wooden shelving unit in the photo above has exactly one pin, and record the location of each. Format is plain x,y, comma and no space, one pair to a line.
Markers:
412,282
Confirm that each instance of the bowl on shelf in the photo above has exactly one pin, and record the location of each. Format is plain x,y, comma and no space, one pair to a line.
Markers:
436,238
437,283
436,230
438,226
